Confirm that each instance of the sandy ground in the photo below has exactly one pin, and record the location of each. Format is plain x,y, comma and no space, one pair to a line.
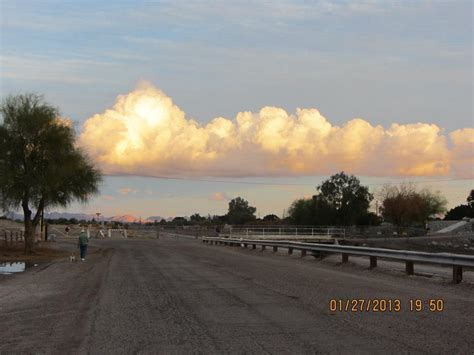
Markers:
178,295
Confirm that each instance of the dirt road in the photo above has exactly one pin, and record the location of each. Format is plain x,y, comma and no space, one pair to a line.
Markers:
182,296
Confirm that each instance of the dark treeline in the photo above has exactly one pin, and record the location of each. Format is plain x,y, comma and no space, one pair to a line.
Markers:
340,200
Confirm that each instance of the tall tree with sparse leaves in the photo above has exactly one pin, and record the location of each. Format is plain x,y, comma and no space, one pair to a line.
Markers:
40,166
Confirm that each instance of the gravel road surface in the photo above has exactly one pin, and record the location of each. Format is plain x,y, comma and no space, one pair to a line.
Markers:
175,296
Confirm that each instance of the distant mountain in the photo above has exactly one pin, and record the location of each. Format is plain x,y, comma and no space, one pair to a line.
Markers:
123,219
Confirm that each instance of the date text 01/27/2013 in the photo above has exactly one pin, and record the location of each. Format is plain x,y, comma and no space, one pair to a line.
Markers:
381,305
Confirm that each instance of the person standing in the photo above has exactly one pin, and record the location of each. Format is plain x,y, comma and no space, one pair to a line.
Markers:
83,241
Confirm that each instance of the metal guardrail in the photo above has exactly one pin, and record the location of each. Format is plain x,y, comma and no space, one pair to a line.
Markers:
283,231
457,261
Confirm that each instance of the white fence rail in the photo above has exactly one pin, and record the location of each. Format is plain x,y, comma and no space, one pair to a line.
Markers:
288,231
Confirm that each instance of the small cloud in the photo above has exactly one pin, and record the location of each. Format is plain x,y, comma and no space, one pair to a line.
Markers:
148,192
220,196
107,198
126,191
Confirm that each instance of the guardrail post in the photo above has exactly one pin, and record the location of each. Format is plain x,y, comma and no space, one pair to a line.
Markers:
279,231
263,247
345,258
275,249
373,262
303,253
296,231
254,246
457,274
409,268
245,245
290,251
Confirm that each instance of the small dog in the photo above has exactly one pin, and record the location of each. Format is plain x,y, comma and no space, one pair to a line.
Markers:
72,258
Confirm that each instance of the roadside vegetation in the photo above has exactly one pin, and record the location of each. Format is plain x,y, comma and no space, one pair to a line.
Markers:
40,166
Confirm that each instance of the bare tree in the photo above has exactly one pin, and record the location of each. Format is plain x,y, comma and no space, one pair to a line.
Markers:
404,205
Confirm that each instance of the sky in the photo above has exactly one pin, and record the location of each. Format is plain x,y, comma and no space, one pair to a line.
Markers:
187,104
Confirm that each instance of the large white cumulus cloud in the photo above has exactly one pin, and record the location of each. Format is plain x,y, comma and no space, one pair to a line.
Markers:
144,133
